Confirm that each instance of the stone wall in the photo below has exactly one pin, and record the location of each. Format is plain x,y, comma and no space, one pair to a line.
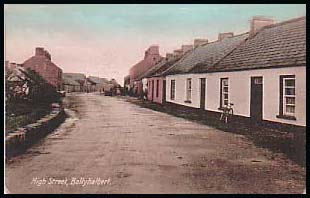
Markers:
20,139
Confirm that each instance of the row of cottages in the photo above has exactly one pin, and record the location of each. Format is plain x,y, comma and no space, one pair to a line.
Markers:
153,82
77,82
42,63
262,72
151,58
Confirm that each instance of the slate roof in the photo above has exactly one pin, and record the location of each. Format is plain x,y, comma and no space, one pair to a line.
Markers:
152,69
69,81
278,45
161,67
166,66
98,80
75,76
207,54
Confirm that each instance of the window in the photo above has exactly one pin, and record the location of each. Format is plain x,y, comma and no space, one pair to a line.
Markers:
172,91
188,90
287,96
157,88
224,92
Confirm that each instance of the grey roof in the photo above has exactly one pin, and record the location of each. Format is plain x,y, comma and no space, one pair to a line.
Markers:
74,76
282,44
161,67
207,54
152,69
98,80
67,80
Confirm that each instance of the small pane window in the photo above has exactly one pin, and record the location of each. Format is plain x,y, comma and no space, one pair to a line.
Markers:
172,91
188,89
224,92
289,91
289,95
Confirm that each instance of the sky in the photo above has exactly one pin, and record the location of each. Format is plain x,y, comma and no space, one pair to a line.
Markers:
106,40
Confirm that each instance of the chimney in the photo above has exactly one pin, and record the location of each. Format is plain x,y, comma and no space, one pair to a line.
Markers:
39,51
199,42
259,22
177,53
169,56
186,48
222,36
152,50
47,55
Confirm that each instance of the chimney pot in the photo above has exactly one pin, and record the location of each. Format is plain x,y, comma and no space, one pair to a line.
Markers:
258,22
169,56
224,35
47,55
186,48
177,53
199,42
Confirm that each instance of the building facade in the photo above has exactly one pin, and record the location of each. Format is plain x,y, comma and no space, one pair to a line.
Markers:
264,77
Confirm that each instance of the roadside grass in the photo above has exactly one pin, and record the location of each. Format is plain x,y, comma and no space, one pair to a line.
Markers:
21,114
290,143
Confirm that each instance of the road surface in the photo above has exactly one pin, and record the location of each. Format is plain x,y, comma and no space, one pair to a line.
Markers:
108,145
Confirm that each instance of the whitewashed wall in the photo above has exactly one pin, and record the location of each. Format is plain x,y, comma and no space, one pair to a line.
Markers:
240,90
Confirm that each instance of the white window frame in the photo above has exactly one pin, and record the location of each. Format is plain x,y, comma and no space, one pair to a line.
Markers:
284,103
188,89
224,92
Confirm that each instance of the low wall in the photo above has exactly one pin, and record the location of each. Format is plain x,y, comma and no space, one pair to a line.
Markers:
20,139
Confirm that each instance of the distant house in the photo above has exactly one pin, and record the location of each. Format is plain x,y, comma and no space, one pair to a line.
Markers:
127,84
90,86
151,58
154,82
42,63
74,82
101,84
17,80
70,85
262,72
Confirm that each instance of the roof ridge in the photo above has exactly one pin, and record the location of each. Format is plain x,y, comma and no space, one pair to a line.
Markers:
280,23
234,36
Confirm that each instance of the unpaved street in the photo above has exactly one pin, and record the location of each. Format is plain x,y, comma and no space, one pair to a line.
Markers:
144,151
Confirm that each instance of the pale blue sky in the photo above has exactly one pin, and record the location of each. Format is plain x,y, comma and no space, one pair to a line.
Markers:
106,40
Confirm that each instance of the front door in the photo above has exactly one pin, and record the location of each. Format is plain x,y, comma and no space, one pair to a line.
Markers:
202,93
256,108
164,91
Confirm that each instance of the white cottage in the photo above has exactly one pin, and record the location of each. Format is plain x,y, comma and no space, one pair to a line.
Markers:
264,76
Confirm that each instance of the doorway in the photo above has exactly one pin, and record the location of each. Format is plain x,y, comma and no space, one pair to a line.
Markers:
202,93
256,105
164,91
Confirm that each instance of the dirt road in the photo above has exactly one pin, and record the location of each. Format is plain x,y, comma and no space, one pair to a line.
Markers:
139,150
